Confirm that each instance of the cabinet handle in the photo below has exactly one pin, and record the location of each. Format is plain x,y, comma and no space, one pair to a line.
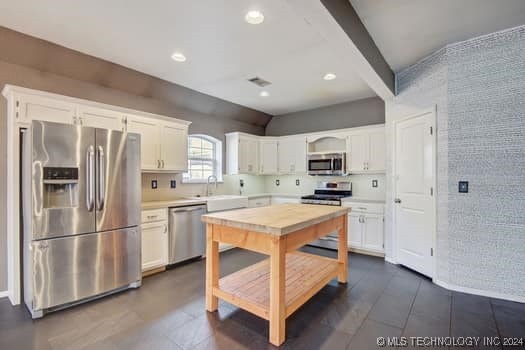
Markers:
152,216
162,163
362,208
262,168
158,164
165,229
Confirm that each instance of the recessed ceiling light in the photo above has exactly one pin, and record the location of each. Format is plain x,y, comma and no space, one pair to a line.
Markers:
254,17
179,57
329,76
264,94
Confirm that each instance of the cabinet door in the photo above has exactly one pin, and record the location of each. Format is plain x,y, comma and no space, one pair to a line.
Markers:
100,118
358,152
40,108
149,141
377,151
355,231
268,157
292,156
154,245
248,155
174,147
373,232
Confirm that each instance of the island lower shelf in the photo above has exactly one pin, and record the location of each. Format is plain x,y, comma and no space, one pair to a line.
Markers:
249,288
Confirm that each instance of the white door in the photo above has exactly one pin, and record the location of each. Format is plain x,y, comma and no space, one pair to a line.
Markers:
376,151
415,207
355,230
174,147
358,152
268,157
41,108
155,245
149,141
373,232
101,118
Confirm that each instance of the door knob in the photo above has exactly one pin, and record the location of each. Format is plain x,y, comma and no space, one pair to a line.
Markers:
397,200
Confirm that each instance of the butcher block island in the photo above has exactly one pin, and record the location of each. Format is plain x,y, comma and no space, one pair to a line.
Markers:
276,287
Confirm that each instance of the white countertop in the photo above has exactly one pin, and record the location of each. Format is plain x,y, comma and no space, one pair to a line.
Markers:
286,195
178,202
363,200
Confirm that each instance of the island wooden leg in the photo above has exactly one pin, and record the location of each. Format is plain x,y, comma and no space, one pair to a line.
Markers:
342,251
212,269
277,292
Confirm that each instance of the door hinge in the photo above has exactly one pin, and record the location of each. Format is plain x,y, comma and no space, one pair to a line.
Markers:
431,191
431,251
431,130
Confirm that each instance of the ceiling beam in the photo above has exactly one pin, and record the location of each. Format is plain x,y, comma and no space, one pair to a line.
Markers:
341,27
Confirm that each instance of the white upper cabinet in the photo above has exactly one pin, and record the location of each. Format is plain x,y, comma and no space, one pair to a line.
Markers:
268,155
358,153
292,155
377,151
164,144
31,107
149,141
242,155
174,147
100,118
366,150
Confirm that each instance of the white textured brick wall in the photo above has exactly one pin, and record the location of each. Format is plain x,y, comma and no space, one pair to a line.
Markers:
478,87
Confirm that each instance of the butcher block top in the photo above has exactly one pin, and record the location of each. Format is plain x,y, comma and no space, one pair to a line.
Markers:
278,219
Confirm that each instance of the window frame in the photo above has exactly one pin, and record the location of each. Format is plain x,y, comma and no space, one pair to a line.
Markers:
217,159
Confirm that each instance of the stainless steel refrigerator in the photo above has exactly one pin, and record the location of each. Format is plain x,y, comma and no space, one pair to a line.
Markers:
81,199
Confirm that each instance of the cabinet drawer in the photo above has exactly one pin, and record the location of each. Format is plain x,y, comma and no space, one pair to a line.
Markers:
372,208
154,215
259,202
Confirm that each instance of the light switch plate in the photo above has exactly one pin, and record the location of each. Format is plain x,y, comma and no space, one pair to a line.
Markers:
374,183
154,184
297,182
463,187
173,183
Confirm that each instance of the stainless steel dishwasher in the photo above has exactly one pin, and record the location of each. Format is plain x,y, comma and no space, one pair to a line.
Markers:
187,233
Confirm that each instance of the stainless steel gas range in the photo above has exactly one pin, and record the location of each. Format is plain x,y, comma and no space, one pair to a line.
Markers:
328,193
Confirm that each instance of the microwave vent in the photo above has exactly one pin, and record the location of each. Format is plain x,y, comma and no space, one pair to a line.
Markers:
259,81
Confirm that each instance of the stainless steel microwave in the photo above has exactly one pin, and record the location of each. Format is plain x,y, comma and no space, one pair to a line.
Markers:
328,164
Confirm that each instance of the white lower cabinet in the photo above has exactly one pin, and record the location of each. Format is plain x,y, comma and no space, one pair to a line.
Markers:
258,202
365,230
155,239
281,200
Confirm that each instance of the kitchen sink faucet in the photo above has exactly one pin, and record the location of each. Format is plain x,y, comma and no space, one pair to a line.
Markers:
208,192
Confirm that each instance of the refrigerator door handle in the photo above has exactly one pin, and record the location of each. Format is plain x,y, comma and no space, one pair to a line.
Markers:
90,164
101,178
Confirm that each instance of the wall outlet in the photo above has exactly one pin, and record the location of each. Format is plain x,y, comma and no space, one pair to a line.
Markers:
173,183
297,182
463,187
374,183
241,182
277,182
154,184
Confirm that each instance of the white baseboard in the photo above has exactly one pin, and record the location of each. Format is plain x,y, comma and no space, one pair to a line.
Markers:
4,294
484,293
390,260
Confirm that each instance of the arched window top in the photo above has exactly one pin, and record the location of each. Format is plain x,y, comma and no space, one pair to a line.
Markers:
204,158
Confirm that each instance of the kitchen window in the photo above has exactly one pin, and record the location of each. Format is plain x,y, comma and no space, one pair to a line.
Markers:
204,159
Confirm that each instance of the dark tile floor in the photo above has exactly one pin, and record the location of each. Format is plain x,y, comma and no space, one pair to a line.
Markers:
168,312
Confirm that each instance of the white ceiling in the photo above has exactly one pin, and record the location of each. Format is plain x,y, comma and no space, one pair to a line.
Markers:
406,31
222,50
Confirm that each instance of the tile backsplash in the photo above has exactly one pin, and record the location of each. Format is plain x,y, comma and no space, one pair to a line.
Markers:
361,185
229,185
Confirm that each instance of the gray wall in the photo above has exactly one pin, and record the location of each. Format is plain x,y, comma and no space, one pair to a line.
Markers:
479,88
367,111
37,64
